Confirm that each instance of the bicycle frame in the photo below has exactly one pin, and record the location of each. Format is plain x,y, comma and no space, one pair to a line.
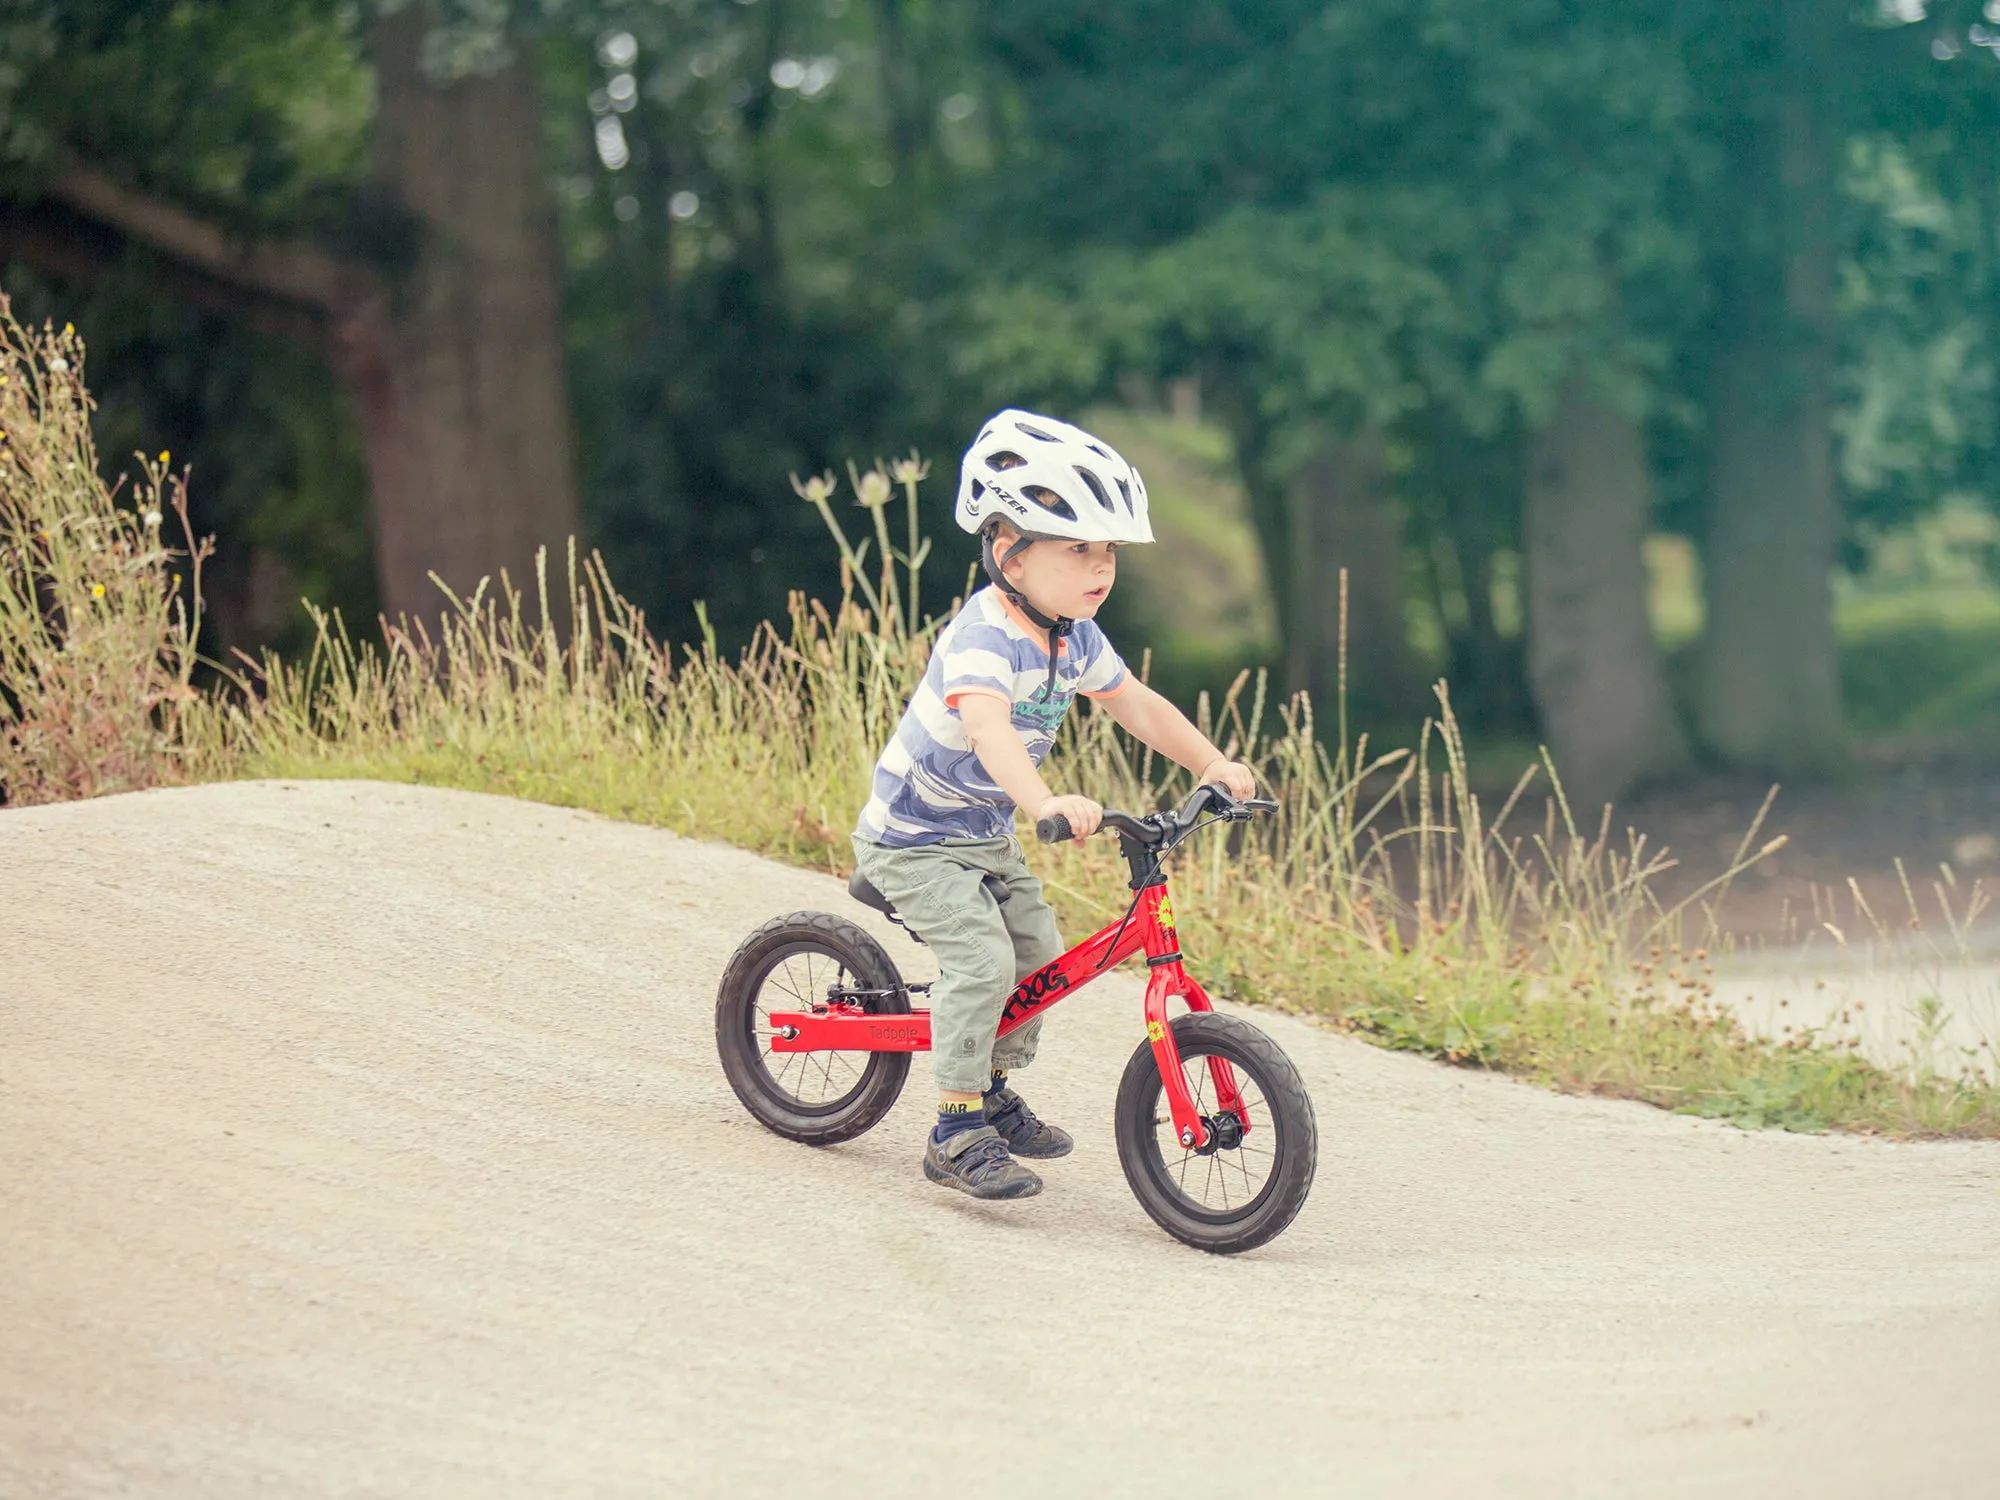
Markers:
844,1026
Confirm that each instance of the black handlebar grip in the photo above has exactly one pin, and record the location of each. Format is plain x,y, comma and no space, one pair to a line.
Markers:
1053,830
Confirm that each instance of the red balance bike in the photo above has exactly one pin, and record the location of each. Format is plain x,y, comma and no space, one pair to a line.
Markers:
1215,1130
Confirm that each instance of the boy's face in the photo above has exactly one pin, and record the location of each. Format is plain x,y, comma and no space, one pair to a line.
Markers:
1065,578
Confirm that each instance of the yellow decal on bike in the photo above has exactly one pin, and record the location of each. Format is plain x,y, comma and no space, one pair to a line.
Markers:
1167,912
1156,1031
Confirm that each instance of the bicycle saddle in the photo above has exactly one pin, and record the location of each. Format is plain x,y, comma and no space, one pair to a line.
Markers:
862,890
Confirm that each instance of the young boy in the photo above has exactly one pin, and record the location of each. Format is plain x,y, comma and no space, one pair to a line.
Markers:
1051,505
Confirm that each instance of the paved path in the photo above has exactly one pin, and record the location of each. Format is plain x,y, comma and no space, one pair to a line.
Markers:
365,1140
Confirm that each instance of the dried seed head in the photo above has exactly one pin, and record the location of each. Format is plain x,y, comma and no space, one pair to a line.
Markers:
872,490
817,489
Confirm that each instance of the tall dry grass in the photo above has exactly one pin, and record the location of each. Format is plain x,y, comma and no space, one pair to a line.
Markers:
1385,896
97,622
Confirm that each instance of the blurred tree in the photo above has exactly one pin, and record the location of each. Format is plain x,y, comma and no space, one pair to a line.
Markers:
1769,692
754,265
264,103
1918,301
227,143
1358,220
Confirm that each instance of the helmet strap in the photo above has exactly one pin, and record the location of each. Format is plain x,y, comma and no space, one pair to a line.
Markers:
1058,628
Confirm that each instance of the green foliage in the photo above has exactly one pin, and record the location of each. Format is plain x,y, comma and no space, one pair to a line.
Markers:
257,112
892,218
96,641
751,285
255,117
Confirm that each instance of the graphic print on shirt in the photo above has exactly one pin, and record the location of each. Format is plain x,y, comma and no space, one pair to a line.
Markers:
1046,713
928,784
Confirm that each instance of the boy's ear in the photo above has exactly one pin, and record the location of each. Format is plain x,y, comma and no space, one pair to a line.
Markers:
1012,567
1004,537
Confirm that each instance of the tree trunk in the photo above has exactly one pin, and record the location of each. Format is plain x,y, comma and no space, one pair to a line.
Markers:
458,370
1593,665
1341,516
1770,689
1470,491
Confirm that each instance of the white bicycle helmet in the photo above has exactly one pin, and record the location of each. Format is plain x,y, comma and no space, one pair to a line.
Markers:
1050,480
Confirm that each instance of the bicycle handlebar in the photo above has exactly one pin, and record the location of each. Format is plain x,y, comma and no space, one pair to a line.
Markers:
1157,828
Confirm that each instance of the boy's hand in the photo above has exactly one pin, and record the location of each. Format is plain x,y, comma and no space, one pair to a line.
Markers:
1233,776
1083,814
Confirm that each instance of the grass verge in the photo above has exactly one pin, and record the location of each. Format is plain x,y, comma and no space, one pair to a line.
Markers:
1384,897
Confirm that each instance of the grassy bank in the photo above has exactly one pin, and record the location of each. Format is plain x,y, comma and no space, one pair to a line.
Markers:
1380,898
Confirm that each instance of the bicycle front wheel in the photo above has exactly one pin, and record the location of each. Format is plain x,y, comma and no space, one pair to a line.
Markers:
1251,1179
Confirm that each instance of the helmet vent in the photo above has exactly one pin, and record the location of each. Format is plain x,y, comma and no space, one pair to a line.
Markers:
1096,487
978,488
1036,432
1125,493
1002,461
1098,449
1049,500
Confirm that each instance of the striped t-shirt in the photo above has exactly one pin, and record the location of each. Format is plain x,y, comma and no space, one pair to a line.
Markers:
929,786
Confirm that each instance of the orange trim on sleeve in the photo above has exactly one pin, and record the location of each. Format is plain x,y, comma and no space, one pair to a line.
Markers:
1123,683
951,699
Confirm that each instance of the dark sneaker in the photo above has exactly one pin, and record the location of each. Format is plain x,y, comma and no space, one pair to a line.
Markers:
976,1162
1008,1113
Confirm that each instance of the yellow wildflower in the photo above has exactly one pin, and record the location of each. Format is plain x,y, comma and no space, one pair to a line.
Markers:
97,591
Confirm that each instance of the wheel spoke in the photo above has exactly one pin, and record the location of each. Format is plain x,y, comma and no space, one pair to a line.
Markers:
1249,1164
782,978
814,1080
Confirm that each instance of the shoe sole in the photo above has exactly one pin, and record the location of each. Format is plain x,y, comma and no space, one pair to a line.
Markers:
1027,1155
1017,1190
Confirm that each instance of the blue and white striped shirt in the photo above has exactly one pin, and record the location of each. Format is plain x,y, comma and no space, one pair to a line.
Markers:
929,786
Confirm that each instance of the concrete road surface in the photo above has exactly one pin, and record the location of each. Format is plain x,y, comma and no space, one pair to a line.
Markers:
364,1140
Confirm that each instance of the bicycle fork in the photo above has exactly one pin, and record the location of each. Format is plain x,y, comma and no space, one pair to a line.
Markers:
1191,1129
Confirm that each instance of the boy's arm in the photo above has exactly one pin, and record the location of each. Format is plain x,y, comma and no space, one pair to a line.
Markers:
1154,721
989,728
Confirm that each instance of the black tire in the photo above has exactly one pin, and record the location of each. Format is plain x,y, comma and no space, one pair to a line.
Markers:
1271,1168
780,966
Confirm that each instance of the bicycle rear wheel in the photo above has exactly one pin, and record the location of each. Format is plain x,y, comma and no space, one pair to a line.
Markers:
1250,1181
792,964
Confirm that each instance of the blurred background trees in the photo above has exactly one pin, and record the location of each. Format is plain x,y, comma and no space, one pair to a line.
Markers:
1635,363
